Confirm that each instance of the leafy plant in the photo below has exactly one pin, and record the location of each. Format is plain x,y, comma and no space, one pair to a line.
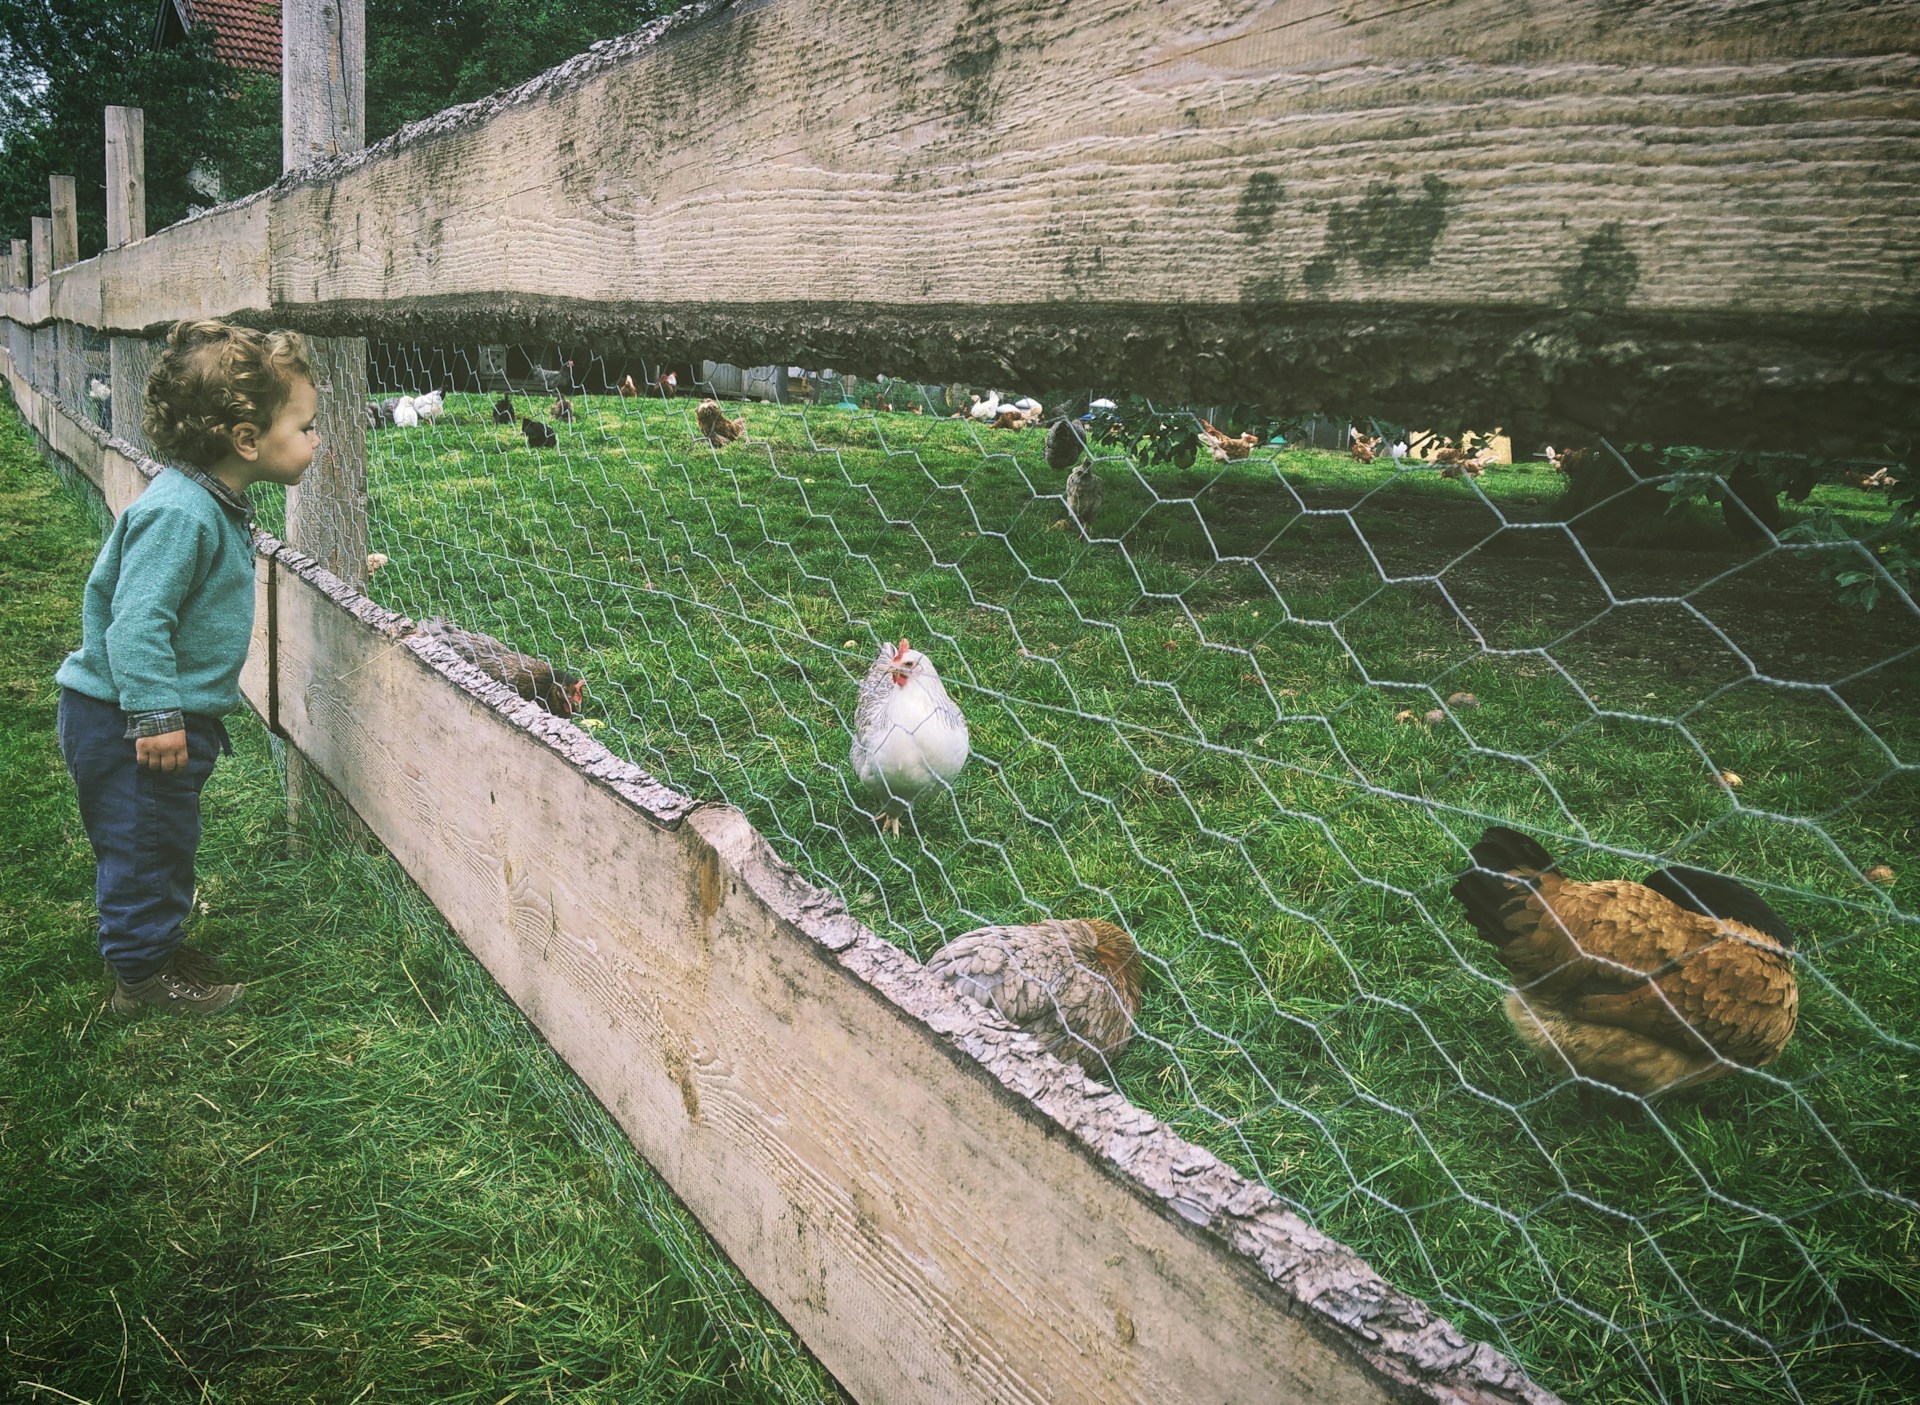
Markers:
1149,433
1883,560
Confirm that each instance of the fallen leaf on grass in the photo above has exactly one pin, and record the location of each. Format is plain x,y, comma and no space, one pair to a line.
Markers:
1880,874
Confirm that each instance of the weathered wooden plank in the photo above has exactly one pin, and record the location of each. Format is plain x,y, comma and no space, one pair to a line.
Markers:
944,1212
74,294
126,175
123,477
81,444
323,88
1703,220
327,512
65,202
209,265
42,249
130,360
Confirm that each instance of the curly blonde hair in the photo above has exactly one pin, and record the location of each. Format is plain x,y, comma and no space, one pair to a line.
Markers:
214,376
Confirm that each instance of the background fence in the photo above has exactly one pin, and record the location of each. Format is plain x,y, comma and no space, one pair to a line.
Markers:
1255,711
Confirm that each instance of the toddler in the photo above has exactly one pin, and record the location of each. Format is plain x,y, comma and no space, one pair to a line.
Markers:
166,621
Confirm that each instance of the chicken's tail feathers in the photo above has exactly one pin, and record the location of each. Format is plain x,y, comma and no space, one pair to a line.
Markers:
1717,895
1506,850
1485,896
1505,863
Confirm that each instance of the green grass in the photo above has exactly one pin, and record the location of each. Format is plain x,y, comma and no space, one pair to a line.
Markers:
377,1184
1189,725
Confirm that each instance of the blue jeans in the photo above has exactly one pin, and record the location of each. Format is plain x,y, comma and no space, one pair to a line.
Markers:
144,827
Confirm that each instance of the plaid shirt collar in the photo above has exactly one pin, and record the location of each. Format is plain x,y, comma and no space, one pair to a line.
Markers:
237,503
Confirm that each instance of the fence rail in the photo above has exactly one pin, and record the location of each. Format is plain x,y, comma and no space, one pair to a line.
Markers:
1693,229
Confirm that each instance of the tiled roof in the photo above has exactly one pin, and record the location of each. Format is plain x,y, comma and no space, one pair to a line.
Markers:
246,33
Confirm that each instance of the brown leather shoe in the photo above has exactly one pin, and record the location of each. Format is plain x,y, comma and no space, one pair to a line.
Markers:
179,987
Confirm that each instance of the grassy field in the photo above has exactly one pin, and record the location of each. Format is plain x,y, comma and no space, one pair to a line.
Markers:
1191,724
377,1184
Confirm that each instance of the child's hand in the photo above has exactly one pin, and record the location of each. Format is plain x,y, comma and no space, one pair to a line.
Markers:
166,752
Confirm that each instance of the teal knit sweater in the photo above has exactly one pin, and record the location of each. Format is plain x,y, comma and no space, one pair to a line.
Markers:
168,611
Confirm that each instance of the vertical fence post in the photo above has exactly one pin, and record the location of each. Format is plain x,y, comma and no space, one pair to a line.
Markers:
128,359
126,175
323,113
66,220
323,80
42,250
17,251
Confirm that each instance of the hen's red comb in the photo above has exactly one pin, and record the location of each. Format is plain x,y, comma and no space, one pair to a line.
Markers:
901,652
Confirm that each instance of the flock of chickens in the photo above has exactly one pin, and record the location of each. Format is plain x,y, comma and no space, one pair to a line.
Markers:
1644,988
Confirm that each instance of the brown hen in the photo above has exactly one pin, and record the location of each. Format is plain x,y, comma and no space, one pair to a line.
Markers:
1648,986
536,680
1074,985
1222,446
713,422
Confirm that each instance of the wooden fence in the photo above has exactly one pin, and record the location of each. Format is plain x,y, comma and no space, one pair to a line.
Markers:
1515,213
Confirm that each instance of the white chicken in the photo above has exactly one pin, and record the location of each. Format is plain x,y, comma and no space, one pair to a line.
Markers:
908,735
404,415
988,410
429,407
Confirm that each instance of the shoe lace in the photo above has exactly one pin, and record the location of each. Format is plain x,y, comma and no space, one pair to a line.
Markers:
186,984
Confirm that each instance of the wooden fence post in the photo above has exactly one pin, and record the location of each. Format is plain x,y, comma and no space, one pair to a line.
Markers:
66,221
323,111
126,175
323,80
42,250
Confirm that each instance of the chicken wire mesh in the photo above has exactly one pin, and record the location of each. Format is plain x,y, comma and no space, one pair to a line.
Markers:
1255,712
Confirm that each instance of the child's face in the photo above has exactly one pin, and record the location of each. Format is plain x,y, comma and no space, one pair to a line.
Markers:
284,452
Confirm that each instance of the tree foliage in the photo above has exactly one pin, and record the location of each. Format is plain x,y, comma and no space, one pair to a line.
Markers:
423,55
63,61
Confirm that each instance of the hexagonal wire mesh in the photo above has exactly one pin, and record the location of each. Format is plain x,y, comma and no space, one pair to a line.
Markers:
1255,710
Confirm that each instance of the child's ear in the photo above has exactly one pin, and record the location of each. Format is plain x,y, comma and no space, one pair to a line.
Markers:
246,440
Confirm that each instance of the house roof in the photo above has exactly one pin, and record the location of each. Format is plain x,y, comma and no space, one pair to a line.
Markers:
246,33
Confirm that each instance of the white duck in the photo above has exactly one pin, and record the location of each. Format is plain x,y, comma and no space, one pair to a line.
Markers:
908,735
988,410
